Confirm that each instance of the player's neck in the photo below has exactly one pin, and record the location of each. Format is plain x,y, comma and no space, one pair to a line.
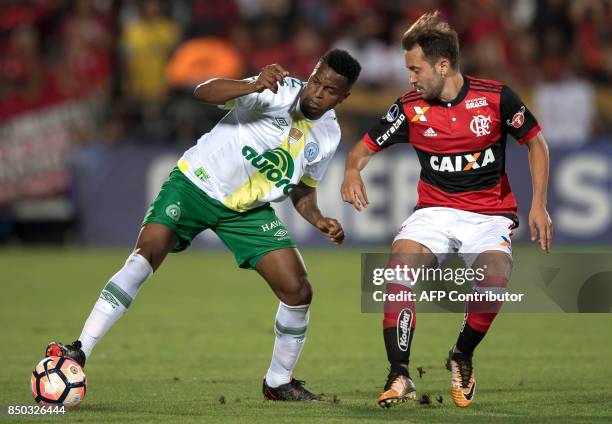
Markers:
452,87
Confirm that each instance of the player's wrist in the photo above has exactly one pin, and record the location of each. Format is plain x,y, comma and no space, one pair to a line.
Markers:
319,222
538,204
254,86
352,172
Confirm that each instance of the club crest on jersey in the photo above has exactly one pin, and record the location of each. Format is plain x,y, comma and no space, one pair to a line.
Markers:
420,113
463,162
480,125
295,135
311,151
518,119
392,113
477,102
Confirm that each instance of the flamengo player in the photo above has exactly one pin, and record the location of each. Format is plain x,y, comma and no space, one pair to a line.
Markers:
276,141
458,126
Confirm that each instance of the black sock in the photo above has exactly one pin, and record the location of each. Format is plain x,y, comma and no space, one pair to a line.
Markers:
400,368
468,339
398,356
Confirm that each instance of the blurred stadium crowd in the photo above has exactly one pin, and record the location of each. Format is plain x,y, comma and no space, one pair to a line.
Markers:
141,58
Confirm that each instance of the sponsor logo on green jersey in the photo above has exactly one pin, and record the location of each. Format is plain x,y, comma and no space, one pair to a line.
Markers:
201,173
276,165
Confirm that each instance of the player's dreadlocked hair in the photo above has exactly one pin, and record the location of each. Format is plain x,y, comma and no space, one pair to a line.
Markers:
436,38
342,63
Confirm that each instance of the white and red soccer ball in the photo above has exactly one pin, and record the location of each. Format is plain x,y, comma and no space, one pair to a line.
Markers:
58,380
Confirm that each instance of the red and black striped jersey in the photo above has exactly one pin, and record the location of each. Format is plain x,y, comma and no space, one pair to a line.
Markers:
460,144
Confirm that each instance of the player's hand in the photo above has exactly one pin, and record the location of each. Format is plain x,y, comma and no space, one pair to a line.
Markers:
541,225
269,77
331,229
353,190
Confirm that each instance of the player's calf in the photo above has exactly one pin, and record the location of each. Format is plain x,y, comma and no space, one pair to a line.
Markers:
399,322
290,328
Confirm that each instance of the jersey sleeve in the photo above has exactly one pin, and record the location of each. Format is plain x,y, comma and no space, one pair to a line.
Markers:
518,121
314,173
253,101
391,129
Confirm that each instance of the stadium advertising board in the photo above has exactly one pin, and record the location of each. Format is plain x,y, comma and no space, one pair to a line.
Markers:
126,180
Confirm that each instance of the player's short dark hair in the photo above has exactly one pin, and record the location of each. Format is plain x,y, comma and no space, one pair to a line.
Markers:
436,38
342,63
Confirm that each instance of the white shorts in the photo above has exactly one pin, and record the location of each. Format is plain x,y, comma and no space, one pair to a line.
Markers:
445,231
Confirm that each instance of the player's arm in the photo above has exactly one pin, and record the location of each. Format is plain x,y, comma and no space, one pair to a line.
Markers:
523,126
391,129
353,190
218,91
540,223
304,200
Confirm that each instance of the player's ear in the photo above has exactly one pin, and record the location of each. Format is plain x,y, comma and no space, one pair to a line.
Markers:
443,67
344,96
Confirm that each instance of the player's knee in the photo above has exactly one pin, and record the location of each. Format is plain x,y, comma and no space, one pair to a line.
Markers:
305,292
154,243
495,263
154,249
147,251
298,292
412,253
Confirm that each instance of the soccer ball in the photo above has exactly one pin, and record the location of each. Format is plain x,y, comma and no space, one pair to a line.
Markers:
58,380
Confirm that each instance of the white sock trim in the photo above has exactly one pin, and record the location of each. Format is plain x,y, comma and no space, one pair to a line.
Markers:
274,380
116,297
290,328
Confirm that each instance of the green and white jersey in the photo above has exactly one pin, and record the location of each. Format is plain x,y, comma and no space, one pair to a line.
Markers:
262,149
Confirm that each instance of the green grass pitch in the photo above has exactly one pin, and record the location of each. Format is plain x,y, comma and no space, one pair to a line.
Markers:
197,341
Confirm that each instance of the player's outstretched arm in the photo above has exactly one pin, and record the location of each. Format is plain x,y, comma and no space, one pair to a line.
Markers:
353,190
304,200
540,223
220,90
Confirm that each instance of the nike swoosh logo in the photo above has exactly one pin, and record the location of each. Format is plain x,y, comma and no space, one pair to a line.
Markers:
46,365
470,394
